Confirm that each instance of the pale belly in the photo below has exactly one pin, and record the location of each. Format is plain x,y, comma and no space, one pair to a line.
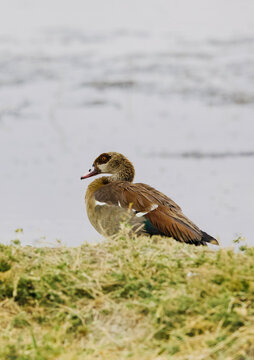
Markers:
107,219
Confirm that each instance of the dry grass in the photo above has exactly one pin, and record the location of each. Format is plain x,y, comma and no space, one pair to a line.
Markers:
126,298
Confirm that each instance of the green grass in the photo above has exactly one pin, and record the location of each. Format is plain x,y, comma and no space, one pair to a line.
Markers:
126,298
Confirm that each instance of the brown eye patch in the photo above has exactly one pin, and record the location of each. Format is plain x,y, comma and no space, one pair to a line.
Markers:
103,159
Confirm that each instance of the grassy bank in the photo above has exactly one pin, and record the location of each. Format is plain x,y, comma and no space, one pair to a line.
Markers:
142,299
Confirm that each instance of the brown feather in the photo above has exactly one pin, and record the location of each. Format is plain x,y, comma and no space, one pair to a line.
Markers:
175,225
142,196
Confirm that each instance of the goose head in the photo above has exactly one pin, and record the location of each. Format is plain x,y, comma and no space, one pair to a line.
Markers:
112,163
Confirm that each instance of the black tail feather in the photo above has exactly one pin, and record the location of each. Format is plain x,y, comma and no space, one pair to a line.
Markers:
209,239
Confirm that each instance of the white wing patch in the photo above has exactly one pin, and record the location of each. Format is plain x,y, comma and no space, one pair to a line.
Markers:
100,203
139,214
153,207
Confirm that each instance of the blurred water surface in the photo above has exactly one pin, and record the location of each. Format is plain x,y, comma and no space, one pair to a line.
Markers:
169,84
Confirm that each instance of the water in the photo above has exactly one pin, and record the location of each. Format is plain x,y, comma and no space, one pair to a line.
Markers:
170,85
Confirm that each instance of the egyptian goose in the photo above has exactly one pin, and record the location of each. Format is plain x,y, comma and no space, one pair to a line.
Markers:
112,199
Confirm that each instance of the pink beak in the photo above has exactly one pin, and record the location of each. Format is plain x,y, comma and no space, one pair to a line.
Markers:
91,173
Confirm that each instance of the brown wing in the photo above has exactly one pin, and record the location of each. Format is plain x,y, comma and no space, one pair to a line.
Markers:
157,196
175,224
167,218
141,196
